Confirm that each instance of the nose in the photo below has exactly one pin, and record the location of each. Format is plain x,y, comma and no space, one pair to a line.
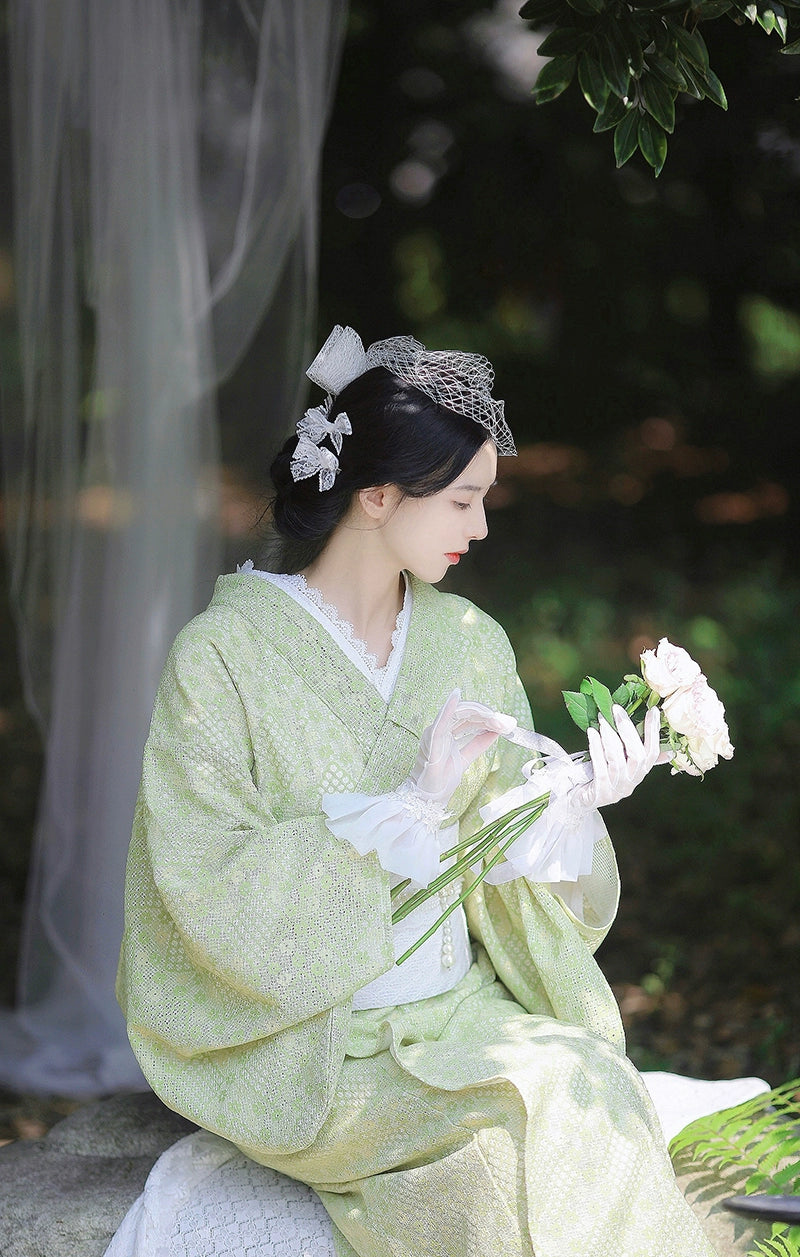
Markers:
479,528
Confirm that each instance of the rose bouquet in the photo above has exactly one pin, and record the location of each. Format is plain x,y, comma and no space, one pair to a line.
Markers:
693,736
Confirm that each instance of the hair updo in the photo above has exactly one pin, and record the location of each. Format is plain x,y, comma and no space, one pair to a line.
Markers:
400,437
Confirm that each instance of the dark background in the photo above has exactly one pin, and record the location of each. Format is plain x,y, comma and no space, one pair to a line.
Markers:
646,338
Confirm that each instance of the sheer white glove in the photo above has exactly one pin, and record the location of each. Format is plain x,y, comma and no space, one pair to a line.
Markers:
460,733
620,760
404,826
557,847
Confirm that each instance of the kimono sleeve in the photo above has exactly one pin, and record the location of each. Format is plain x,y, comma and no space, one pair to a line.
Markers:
243,934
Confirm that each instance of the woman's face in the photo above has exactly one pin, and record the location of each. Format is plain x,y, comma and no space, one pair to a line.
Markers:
427,535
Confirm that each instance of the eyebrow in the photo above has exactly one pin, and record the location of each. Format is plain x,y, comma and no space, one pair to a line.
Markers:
474,488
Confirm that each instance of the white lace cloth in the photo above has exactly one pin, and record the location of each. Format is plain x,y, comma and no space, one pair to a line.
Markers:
204,1198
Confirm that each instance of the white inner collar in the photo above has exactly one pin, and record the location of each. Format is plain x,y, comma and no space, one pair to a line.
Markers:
383,678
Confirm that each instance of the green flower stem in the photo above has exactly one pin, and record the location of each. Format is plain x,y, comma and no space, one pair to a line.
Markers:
480,845
490,863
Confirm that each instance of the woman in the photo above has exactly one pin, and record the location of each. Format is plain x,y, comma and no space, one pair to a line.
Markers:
320,730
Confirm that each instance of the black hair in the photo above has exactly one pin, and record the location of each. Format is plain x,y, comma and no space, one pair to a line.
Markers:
400,437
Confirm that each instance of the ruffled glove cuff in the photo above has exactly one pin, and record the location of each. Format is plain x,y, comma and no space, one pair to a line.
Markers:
558,846
402,828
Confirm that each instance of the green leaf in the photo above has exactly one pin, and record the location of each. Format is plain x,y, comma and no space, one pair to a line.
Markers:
714,89
664,42
666,70
589,8
613,112
541,10
658,101
627,43
614,66
592,82
708,10
564,41
694,84
691,44
626,137
602,696
652,142
792,49
581,708
781,20
622,695
554,78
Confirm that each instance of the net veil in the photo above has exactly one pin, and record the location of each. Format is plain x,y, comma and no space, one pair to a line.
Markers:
458,380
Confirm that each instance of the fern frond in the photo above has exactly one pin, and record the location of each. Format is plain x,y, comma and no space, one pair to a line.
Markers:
762,1139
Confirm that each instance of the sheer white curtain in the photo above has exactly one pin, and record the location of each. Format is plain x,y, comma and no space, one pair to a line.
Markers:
166,158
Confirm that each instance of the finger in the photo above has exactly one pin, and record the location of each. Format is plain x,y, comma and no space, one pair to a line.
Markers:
602,782
652,736
478,714
439,734
634,748
480,743
614,752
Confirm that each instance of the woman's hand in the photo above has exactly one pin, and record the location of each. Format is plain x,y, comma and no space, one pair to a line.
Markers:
460,733
620,758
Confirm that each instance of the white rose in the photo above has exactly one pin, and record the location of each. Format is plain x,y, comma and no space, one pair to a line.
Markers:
694,709
697,712
681,763
703,757
668,668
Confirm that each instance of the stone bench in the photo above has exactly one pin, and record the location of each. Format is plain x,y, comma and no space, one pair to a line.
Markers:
65,1195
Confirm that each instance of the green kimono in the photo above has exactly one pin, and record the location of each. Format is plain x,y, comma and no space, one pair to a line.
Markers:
500,1117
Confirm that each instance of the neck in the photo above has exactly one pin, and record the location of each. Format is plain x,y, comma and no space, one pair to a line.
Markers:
366,589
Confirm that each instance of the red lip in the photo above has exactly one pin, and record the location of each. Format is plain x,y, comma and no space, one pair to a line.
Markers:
454,556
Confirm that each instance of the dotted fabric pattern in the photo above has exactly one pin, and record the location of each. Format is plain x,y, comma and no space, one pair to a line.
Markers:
499,1117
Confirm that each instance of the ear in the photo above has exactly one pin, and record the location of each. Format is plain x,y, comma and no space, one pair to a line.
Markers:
378,501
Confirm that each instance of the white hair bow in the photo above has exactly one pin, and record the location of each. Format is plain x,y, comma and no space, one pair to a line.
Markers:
310,459
316,425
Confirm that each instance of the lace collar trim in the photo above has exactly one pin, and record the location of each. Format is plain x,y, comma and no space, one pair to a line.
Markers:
296,584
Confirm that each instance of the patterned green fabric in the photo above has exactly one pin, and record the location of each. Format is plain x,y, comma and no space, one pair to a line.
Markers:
249,927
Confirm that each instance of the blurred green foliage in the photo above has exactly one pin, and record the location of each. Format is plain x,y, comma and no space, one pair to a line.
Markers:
633,60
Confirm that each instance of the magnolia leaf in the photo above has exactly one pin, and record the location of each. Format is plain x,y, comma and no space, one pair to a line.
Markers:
613,112
554,78
659,101
666,70
652,142
626,137
593,83
541,10
691,44
663,40
564,41
694,84
628,45
587,7
615,67
714,89
581,707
